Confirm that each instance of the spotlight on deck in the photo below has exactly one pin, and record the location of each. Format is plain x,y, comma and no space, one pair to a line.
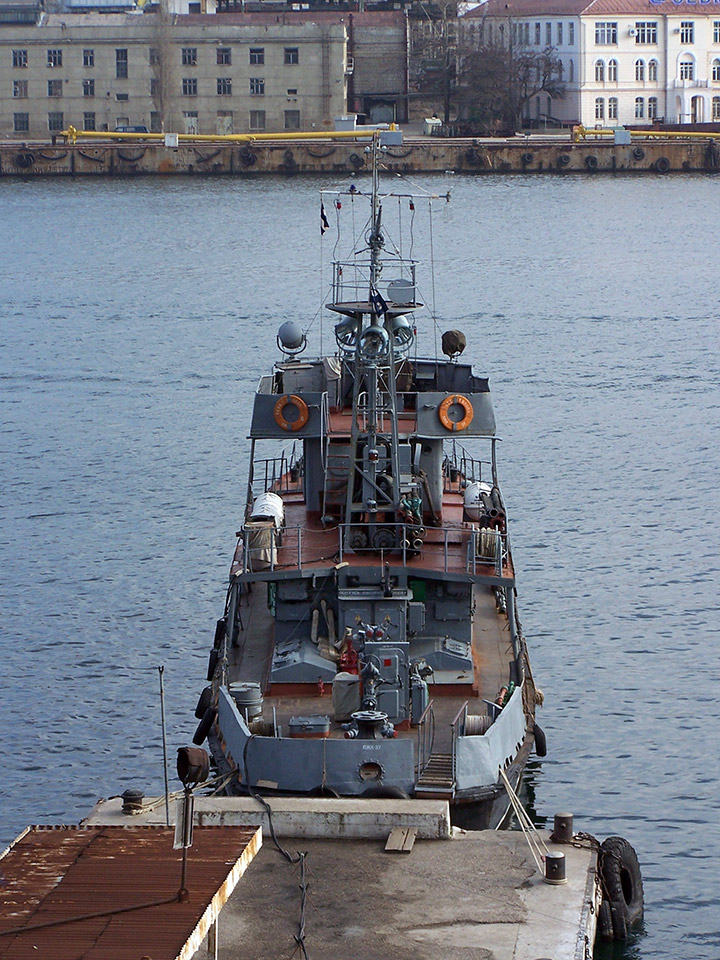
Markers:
193,765
402,332
453,343
290,339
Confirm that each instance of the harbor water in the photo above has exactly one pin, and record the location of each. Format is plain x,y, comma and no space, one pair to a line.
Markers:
136,317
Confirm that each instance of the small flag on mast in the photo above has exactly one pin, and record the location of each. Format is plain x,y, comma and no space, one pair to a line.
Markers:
324,225
379,305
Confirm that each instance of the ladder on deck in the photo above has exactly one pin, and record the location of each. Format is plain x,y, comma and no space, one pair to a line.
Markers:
436,781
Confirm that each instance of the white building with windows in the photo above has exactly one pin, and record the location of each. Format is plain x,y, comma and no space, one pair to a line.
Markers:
622,62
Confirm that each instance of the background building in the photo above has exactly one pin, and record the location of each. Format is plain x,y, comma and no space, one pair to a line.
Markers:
627,62
204,73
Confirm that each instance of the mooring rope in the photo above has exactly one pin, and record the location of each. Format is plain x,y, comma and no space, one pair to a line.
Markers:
538,847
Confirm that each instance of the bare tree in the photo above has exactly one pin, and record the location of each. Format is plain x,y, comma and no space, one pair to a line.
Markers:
433,51
498,76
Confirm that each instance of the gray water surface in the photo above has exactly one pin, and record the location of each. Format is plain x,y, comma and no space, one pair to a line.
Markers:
135,319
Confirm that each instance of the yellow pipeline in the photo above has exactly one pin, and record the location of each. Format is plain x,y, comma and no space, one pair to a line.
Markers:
72,135
580,132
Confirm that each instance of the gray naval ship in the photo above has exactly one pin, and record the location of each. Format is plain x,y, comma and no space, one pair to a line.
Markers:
370,644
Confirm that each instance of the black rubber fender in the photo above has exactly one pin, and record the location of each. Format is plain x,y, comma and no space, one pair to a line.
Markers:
212,663
662,164
219,633
622,884
356,160
388,792
563,160
24,160
527,158
604,923
591,162
205,725
638,153
540,740
204,701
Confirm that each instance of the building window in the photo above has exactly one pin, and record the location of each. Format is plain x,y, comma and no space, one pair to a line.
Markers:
571,34
224,56
88,121
257,55
21,122
715,109
612,71
605,32
122,122
537,34
652,70
292,55
599,71
560,70
652,108
189,87
716,31
640,70
548,34
646,31
122,96
54,88
121,64
55,122
560,34
716,69
224,87
257,119
20,89
54,58
571,71
189,56
687,69
612,108
88,58
194,7
154,55
257,86
155,122
19,60
88,88
154,87
639,108
292,91
687,31
599,108
292,119
224,122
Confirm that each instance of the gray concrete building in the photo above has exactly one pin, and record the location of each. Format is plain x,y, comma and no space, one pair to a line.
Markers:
200,73
191,74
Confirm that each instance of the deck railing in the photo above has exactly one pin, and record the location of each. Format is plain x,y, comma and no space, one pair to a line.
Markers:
262,543
457,729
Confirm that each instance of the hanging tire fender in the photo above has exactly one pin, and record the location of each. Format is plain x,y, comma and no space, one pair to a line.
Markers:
205,726
591,162
662,165
204,701
212,663
622,884
540,740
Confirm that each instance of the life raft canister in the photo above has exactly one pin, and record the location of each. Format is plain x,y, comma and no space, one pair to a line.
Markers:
290,400
456,399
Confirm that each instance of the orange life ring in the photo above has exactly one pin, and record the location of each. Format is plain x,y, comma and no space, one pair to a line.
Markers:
279,412
451,401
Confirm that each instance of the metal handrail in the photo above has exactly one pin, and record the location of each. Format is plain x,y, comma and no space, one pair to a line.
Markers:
462,713
426,737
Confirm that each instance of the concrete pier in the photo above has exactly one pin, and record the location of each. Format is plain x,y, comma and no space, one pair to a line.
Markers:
532,155
454,894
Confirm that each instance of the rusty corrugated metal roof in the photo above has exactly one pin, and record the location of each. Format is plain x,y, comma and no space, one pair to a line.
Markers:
61,873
